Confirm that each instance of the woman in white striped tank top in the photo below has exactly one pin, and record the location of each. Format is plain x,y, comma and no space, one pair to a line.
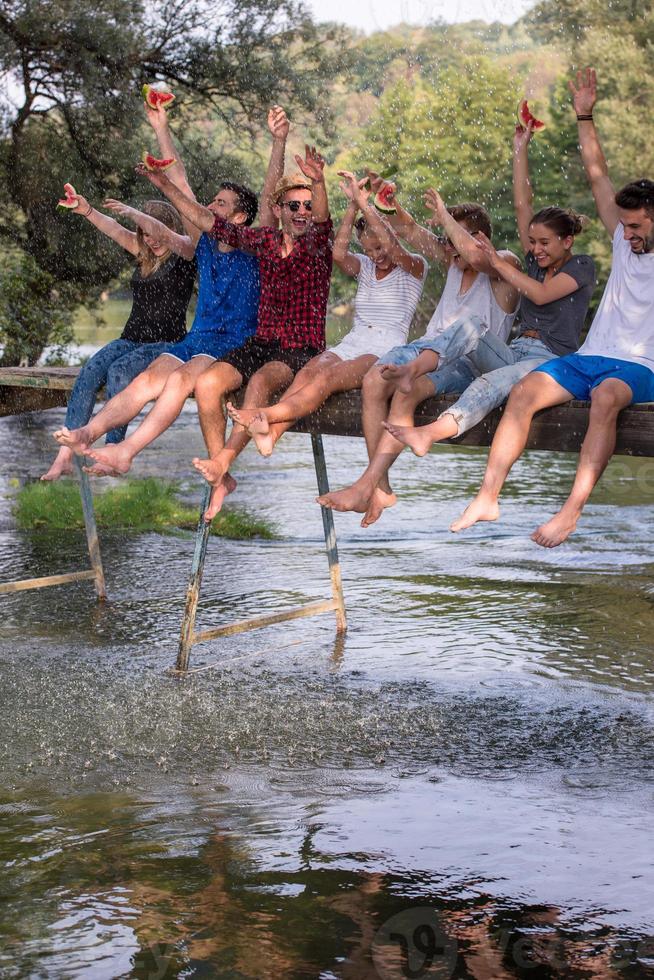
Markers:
390,283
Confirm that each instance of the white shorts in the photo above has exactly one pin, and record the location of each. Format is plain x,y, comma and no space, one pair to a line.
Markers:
367,340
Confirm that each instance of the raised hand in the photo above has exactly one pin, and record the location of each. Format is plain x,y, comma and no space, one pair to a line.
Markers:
278,123
435,203
122,209
377,183
83,206
584,93
354,190
150,175
313,164
156,117
522,137
485,245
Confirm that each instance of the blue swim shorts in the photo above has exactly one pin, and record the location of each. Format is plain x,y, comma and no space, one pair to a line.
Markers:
208,342
580,373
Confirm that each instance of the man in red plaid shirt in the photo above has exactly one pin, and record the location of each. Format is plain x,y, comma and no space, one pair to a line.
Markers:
295,270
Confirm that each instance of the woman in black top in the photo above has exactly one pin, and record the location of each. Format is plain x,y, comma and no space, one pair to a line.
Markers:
161,287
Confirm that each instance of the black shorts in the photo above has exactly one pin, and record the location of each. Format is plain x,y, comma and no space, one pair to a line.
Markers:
255,354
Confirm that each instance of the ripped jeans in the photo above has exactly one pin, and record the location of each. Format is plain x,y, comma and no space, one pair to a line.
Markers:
113,366
500,366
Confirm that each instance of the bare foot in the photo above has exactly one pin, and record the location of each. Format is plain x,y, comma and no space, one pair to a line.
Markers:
259,429
417,438
379,501
556,530
243,416
78,440
481,509
101,469
401,375
116,457
213,470
62,465
218,494
357,497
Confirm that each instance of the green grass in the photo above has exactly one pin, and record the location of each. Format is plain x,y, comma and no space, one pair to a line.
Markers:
138,505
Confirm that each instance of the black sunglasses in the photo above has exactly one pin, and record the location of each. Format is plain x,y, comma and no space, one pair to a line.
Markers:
296,205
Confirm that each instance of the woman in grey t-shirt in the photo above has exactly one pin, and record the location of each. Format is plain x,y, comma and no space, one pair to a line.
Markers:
556,292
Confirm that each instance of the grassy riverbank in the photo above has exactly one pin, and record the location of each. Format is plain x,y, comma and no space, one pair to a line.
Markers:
137,505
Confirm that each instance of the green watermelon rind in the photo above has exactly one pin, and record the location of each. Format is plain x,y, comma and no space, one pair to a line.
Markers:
539,125
380,203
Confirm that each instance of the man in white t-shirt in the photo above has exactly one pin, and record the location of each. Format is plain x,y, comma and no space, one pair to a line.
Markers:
615,365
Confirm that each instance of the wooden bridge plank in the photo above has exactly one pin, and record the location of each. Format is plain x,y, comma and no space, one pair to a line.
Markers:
556,429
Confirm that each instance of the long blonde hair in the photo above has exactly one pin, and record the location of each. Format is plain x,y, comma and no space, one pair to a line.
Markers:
164,212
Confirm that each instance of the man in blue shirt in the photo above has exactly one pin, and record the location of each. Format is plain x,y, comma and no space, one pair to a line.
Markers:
226,313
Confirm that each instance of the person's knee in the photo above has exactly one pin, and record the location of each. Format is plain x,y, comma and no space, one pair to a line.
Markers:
211,383
608,399
374,384
525,394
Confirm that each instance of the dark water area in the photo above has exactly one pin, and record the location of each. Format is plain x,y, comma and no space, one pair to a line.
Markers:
462,787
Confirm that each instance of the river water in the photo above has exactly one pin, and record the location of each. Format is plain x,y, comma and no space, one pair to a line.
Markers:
461,788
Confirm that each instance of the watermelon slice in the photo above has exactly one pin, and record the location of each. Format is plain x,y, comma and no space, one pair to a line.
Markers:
71,200
382,200
155,97
153,164
525,117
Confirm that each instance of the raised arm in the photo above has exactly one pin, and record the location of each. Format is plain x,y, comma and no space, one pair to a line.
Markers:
461,239
190,211
357,192
407,228
313,166
122,236
158,119
346,261
180,244
584,96
278,125
538,292
523,194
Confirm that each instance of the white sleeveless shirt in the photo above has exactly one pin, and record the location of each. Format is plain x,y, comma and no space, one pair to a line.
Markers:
479,301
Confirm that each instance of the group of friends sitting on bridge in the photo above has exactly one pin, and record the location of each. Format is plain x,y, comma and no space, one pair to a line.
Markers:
262,304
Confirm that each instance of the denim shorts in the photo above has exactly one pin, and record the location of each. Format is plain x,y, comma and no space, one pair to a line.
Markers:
580,373
451,378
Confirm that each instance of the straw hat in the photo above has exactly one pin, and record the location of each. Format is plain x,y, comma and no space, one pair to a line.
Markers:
290,182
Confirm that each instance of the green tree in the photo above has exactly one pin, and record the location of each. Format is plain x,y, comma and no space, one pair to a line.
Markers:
73,111
453,130
35,311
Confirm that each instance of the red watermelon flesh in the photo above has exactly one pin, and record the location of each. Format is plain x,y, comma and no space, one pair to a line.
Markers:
525,117
153,164
155,98
382,199
71,200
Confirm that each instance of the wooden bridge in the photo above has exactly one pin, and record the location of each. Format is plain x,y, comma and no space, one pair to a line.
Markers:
557,429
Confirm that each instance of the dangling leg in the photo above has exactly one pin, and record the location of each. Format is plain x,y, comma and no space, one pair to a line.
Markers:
606,402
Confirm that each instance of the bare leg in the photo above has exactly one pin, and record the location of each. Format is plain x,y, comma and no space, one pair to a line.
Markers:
371,493
122,408
420,438
61,466
330,376
261,388
607,401
403,375
179,385
210,390
535,392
